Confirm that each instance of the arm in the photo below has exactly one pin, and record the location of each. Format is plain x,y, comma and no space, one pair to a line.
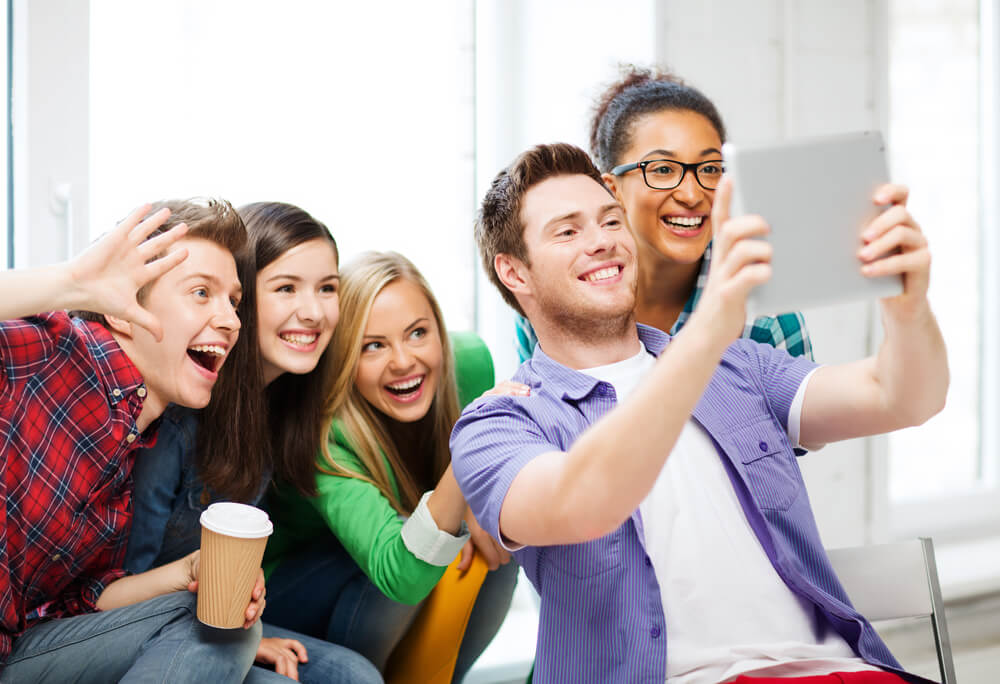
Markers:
906,382
589,490
176,576
104,278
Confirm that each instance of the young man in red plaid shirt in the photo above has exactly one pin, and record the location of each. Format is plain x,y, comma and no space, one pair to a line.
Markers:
78,396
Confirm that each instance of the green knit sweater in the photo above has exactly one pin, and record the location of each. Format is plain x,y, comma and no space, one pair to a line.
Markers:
356,512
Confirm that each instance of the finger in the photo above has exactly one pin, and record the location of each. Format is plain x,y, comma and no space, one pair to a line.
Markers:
720,206
139,233
157,267
743,253
465,561
886,221
193,586
299,649
891,193
143,318
291,666
899,237
908,262
125,226
162,242
751,276
734,231
258,588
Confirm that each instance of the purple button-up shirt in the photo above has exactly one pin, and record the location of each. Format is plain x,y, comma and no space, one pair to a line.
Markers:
601,615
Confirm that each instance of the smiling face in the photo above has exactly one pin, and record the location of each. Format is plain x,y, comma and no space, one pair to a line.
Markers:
672,224
297,308
196,305
400,364
582,271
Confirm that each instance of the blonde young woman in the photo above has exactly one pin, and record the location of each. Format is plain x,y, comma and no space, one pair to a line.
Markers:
352,564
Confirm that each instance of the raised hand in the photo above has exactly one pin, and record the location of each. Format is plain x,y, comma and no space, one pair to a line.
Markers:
895,245
739,263
109,274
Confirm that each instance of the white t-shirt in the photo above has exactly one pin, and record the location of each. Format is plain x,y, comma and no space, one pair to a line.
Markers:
727,611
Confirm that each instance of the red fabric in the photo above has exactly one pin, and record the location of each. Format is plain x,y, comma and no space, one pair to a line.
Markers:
868,677
69,399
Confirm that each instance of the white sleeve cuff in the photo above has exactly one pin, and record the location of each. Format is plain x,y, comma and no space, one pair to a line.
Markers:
795,412
428,543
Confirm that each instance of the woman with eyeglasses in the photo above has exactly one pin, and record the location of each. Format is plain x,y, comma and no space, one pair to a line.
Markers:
658,143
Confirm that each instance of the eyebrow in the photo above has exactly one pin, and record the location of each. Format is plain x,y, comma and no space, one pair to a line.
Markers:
212,279
573,215
290,276
671,154
422,319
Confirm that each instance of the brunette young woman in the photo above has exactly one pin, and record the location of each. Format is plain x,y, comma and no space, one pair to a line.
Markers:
658,143
265,419
352,564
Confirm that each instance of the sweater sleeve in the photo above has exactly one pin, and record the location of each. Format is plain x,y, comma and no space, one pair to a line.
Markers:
371,531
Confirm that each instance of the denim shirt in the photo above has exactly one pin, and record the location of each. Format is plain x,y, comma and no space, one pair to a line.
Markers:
167,498
601,617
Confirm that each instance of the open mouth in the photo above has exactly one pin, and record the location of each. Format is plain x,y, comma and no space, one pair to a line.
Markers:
601,274
683,225
406,389
300,339
208,356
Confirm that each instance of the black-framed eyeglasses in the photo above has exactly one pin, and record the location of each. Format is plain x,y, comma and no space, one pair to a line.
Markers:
667,174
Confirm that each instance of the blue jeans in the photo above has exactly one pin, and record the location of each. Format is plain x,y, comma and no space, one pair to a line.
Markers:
158,640
324,594
328,663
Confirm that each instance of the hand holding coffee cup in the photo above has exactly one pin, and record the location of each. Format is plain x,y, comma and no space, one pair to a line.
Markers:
233,537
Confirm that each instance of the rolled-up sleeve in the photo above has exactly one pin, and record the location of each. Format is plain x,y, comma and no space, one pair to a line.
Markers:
492,441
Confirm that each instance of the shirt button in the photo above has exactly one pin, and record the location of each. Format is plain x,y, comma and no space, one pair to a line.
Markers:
56,557
117,392
130,438
141,392
654,632
763,446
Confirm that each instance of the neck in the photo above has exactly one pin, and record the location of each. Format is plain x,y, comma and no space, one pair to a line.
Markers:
601,344
664,288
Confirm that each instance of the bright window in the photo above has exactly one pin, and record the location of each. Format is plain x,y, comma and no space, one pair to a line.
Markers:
935,143
365,123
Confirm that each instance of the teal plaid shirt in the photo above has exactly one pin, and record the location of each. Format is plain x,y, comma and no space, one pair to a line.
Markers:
786,331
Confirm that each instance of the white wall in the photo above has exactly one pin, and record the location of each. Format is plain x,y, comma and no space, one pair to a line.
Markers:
779,69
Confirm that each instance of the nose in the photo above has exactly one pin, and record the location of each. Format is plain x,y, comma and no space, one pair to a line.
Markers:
309,310
225,318
688,193
401,359
598,239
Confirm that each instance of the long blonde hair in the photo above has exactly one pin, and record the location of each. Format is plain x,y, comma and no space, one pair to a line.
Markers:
365,428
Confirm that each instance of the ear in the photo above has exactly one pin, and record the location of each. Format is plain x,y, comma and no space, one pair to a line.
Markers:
612,183
512,273
119,325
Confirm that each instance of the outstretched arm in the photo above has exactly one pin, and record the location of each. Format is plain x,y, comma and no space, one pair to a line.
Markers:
105,278
905,383
589,490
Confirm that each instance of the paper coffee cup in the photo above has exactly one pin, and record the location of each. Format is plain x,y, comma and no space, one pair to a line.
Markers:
233,537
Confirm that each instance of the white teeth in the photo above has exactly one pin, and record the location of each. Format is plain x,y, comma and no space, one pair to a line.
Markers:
602,274
300,339
408,384
686,221
209,349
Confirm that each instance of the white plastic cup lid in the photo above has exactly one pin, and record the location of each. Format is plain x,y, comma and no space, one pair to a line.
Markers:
237,520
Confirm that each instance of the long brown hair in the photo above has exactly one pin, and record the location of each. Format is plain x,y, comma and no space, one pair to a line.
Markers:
248,430
417,463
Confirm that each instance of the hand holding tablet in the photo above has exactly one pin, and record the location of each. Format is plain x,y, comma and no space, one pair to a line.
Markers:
818,196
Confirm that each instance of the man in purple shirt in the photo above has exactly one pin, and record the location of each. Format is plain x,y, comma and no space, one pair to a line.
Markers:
714,548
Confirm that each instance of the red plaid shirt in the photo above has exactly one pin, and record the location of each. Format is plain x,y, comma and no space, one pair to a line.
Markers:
69,400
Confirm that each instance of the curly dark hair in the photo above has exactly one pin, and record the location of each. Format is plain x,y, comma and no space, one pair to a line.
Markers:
637,92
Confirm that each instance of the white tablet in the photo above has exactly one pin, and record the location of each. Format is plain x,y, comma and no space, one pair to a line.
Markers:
816,194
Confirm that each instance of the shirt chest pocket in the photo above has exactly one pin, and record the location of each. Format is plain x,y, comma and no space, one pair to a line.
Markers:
769,464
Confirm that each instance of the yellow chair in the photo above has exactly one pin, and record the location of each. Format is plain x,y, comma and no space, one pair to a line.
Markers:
429,650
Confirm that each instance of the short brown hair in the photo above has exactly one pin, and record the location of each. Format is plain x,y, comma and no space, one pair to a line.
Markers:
207,218
499,228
